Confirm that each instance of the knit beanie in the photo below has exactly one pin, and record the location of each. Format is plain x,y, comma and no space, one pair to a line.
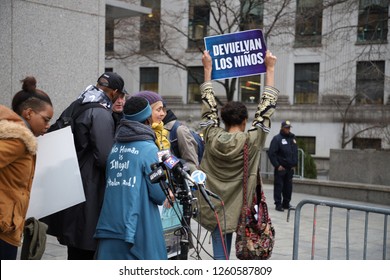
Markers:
151,96
137,109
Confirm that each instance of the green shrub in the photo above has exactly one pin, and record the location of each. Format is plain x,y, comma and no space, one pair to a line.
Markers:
310,168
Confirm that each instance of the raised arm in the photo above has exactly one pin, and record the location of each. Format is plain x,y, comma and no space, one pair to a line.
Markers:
268,99
207,66
270,61
209,106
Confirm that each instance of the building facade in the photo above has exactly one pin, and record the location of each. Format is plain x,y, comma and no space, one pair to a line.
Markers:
333,64
333,58
61,43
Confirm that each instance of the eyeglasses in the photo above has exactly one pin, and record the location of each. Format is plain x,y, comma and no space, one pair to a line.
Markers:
45,118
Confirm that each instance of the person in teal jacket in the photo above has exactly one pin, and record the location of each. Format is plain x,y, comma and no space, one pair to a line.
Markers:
129,226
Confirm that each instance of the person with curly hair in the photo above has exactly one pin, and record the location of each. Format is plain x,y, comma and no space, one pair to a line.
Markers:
223,156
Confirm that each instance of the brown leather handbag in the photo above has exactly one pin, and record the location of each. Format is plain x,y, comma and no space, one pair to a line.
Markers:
255,233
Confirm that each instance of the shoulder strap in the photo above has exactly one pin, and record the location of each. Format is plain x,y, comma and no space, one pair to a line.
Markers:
173,131
173,139
80,108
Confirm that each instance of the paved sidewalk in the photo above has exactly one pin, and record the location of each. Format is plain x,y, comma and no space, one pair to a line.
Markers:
283,249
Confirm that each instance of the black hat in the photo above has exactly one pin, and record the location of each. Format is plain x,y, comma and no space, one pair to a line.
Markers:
112,80
286,124
137,109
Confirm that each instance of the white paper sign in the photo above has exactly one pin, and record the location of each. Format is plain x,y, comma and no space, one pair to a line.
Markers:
57,181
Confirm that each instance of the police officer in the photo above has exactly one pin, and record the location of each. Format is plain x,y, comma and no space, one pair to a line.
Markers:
283,154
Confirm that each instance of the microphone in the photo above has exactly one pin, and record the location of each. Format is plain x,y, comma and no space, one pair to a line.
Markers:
158,176
157,173
174,164
200,177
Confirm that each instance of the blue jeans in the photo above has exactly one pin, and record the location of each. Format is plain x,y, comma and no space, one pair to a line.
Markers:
219,253
7,251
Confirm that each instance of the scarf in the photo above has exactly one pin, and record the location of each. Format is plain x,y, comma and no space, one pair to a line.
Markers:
162,140
129,131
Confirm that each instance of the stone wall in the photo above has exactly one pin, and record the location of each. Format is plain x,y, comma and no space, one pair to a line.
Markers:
58,42
360,166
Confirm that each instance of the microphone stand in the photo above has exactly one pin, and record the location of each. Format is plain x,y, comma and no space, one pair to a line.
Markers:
185,198
180,185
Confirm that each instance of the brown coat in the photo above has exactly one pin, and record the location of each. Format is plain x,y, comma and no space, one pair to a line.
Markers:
18,147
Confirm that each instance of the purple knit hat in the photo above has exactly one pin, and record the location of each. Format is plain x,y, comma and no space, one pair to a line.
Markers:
151,96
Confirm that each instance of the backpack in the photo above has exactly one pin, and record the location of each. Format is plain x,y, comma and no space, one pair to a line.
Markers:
175,145
71,113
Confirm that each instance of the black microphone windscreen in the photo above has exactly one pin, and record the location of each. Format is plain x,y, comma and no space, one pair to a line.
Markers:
164,157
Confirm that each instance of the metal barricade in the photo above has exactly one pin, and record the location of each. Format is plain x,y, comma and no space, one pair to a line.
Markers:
357,226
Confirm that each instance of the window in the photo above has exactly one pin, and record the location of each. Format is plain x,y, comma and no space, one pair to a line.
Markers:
250,89
109,34
252,14
199,18
307,143
370,82
372,21
308,24
306,83
149,79
195,78
150,26
366,143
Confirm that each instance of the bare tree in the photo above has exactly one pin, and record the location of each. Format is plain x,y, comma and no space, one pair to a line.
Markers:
386,134
160,31
348,119
224,17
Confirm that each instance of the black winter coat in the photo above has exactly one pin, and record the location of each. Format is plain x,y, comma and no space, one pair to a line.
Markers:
283,150
93,136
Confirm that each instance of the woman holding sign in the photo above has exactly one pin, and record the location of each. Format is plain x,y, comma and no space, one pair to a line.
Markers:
223,156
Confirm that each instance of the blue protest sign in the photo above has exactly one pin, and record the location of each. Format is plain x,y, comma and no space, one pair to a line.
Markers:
237,54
